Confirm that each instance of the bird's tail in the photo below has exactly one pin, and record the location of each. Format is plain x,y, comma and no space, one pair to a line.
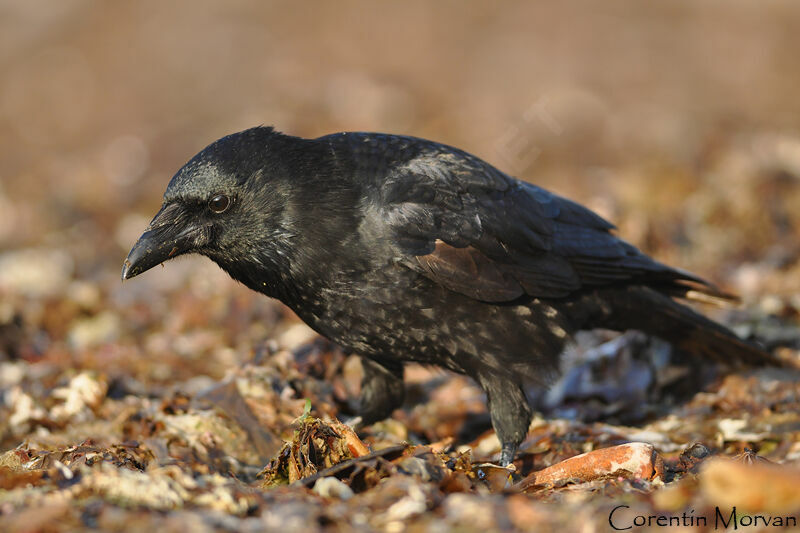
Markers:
656,313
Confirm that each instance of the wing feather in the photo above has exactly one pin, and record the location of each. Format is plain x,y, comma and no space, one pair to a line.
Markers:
477,231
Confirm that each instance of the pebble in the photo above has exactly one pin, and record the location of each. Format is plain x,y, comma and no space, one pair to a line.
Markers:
330,487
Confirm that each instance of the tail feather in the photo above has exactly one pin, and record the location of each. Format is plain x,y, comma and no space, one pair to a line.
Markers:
657,314
698,290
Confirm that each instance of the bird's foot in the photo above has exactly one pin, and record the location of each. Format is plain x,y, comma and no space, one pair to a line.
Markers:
507,454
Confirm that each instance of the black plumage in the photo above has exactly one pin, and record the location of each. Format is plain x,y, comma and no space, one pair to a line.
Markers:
405,250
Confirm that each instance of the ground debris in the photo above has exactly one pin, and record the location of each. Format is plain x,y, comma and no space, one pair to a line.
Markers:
636,460
316,445
171,402
187,452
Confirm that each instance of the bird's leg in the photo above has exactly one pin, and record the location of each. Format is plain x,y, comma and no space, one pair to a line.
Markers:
507,453
382,390
510,412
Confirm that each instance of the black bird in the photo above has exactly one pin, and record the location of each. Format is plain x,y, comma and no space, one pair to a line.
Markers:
404,250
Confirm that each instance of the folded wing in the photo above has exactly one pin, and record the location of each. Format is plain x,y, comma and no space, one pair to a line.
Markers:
479,232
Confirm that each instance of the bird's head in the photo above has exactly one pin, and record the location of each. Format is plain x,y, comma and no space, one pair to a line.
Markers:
224,203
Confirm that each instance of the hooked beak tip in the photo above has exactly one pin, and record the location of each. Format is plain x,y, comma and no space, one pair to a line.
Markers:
167,236
126,270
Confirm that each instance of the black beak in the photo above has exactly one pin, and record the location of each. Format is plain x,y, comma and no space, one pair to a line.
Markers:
170,234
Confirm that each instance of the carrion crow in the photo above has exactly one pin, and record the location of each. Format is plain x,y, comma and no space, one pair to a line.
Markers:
406,250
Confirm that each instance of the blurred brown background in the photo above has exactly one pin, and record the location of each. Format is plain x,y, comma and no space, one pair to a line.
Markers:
677,120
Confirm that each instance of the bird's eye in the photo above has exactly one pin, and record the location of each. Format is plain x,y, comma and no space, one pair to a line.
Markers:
219,203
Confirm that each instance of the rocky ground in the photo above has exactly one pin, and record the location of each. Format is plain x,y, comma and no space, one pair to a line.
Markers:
178,410
181,401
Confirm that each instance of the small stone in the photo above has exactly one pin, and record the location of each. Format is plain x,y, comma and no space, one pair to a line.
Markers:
330,487
83,392
412,504
632,460
422,469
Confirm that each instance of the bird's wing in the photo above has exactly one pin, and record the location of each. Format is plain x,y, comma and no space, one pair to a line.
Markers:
477,231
